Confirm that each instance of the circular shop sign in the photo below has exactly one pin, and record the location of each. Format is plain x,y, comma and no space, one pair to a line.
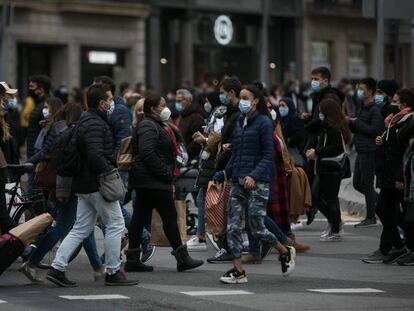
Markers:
223,29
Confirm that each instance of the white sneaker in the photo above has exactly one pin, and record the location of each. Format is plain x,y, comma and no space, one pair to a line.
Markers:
99,276
287,261
331,237
327,231
212,240
30,272
296,226
194,245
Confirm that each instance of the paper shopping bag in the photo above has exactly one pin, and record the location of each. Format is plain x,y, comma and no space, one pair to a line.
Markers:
28,231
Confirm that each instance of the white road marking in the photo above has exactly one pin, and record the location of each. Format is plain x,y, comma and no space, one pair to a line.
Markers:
217,293
346,290
3,301
94,297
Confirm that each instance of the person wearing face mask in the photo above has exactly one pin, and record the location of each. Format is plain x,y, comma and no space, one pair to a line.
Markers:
333,137
250,170
39,88
383,97
151,177
366,127
95,147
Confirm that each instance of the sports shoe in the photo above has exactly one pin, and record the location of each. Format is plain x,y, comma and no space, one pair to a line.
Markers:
250,259
148,251
287,261
233,276
59,278
213,241
195,244
99,276
29,271
331,237
296,226
220,257
367,222
327,230
375,257
407,260
395,254
119,279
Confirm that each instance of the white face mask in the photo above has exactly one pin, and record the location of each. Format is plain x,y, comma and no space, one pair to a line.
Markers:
273,114
207,107
45,112
111,108
165,114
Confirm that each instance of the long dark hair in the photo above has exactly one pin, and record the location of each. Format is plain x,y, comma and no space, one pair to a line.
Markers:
55,104
151,101
335,117
258,94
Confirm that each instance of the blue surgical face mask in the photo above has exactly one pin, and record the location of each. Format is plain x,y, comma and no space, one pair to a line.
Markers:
321,116
379,100
245,105
223,99
11,103
315,85
179,107
284,111
360,94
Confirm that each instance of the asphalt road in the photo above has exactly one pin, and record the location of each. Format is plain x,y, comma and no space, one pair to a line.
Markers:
327,266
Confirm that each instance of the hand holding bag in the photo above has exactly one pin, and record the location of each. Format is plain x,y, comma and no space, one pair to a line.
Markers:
111,186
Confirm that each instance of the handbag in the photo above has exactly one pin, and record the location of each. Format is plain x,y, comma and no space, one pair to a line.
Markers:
111,186
337,162
124,156
45,174
217,197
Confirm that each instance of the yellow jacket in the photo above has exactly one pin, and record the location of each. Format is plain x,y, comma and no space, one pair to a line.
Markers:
28,107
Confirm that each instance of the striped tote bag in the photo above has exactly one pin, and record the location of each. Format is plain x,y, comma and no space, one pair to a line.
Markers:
217,197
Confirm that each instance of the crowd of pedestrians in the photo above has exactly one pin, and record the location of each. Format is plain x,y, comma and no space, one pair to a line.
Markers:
283,153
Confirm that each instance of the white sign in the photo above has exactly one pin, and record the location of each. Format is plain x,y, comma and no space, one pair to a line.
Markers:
223,29
102,57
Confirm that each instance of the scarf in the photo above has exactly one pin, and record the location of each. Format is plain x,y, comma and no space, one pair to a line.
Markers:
392,119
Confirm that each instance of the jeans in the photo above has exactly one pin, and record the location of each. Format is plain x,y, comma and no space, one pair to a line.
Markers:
253,203
89,207
64,221
364,180
201,198
388,210
328,201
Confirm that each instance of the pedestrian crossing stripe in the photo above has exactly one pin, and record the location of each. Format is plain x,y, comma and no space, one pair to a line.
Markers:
346,290
3,301
94,297
217,293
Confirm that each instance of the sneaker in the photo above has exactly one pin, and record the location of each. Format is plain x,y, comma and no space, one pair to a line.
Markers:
266,248
148,251
99,276
331,237
296,226
213,241
29,271
407,260
59,278
251,259
327,230
395,254
119,279
287,261
220,257
368,222
375,257
233,276
195,244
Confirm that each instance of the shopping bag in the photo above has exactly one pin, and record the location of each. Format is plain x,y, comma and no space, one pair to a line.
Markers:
10,249
217,197
158,237
124,156
45,174
28,231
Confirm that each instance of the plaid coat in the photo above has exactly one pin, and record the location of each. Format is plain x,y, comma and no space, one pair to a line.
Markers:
278,208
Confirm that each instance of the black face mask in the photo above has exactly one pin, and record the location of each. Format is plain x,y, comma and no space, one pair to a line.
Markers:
32,93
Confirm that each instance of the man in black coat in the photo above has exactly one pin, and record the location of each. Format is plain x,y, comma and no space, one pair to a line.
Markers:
95,146
366,127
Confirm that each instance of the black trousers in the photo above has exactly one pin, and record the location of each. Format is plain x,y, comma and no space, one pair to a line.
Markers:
163,202
6,222
388,211
328,201
409,226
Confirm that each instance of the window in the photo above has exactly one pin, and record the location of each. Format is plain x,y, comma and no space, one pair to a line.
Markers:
320,54
357,60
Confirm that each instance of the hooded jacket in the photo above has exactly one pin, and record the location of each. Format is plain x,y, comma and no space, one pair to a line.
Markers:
292,126
191,121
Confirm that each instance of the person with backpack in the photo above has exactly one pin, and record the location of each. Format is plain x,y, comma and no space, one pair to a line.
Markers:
62,120
151,177
91,153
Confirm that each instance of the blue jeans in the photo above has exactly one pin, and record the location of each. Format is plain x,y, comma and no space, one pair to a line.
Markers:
254,244
201,198
65,218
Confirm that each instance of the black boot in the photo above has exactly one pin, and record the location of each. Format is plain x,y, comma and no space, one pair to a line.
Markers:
134,263
184,261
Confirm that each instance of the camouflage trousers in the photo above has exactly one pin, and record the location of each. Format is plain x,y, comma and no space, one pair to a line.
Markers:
253,203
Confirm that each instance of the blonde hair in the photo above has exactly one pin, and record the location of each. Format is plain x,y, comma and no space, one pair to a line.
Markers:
135,108
4,126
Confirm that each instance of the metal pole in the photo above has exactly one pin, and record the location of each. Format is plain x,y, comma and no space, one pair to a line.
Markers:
380,39
264,55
